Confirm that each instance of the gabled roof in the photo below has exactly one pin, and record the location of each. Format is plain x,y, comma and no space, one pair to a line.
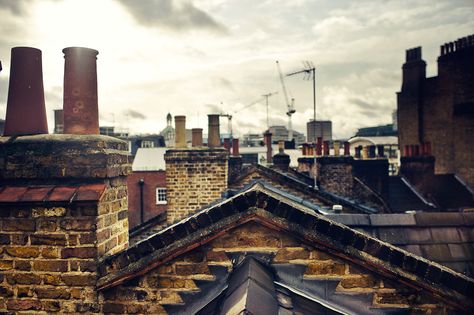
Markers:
275,211
304,185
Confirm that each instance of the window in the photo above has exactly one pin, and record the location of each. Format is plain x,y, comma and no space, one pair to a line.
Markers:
161,196
148,144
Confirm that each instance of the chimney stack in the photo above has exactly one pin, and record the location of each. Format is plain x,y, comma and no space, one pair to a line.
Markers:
81,109
26,111
268,142
197,137
180,130
281,160
214,138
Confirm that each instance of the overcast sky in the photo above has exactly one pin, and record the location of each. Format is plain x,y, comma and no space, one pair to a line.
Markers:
199,57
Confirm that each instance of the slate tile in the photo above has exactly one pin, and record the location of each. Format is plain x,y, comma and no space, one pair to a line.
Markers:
467,234
438,219
396,236
367,231
468,218
350,219
436,252
414,249
445,235
457,251
418,235
392,219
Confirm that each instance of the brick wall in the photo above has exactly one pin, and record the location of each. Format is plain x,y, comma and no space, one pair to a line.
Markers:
151,180
334,174
194,178
166,285
68,211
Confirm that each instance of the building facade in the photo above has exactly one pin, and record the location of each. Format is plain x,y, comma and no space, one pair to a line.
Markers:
440,109
322,129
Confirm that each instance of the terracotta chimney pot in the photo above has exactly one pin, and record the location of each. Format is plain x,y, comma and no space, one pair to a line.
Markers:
81,109
214,138
26,111
180,130
235,147
197,137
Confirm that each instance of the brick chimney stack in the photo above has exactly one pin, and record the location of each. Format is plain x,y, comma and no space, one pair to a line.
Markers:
64,208
26,111
81,109
281,160
195,176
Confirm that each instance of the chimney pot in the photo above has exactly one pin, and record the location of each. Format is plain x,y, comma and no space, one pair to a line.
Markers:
371,151
180,130
227,144
235,147
268,142
347,148
358,150
319,145
214,138
81,109
365,152
26,111
336,148
326,147
380,151
197,137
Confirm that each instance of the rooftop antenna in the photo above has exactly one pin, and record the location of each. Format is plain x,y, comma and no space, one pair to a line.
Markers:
310,71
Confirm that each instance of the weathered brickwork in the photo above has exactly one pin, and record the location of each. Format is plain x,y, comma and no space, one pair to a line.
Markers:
334,174
49,254
164,286
67,210
194,178
439,109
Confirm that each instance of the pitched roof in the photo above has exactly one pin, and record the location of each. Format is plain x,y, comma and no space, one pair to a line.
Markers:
276,211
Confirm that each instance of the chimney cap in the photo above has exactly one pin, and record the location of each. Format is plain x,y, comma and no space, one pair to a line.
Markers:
80,50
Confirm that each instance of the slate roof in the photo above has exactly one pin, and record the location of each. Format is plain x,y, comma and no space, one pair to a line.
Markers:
403,197
304,185
447,238
450,192
51,193
260,204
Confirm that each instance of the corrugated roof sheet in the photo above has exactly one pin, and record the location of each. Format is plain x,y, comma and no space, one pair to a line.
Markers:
149,159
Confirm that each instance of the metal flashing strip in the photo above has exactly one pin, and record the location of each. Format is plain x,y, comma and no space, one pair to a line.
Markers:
416,192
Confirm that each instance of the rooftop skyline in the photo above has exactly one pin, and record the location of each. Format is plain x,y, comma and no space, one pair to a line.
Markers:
212,56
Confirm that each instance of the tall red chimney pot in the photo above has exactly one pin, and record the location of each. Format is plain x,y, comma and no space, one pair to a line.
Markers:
319,146
26,110
81,109
235,147
347,148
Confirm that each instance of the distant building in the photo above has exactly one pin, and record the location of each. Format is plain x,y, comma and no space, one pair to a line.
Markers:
281,133
168,132
440,109
377,131
147,187
323,129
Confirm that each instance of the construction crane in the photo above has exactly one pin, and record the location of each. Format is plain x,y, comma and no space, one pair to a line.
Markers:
291,106
229,116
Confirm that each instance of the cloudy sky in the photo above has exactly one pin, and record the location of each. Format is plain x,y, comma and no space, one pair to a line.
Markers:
217,56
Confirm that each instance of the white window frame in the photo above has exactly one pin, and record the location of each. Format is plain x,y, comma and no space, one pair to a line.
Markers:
160,192
148,144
